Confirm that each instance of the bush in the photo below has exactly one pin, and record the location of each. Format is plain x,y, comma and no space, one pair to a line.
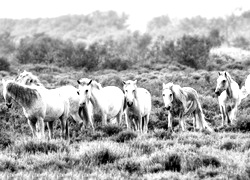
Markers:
34,146
193,51
4,64
111,129
125,136
99,157
129,165
163,134
228,145
8,165
5,140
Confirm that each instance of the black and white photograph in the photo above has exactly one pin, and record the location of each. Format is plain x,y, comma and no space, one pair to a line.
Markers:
125,89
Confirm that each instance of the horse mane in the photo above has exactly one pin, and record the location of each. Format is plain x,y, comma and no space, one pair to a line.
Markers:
179,94
230,80
28,78
22,94
87,81
96,85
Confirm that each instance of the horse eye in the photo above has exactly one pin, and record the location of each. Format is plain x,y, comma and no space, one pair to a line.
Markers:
86,90
224,81
126,90
163,94
171,95
78,92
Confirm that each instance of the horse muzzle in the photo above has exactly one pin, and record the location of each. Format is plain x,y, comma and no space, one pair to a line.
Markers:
130,104
82,105
217,92
9,105
167,108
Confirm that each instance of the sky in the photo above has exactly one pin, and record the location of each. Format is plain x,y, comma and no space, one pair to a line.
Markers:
139,11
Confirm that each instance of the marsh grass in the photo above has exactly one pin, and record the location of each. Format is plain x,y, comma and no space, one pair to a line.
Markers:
112,152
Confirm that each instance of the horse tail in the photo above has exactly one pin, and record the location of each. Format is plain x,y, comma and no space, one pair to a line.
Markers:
124,104
190,109
83,113
202,118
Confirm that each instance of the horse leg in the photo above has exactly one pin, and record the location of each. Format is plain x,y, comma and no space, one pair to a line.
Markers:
140,123
182,123
41,127
50,127
194,121
32,125
223,115
127,120
104,119
170,121
199,122
146,123
119,117
234,112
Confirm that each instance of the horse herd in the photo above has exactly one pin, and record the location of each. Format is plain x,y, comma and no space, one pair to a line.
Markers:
41,105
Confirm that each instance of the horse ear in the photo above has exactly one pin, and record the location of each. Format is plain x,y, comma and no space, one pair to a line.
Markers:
89,82
219,73
3,81
163,85
225,74
123,82
78,81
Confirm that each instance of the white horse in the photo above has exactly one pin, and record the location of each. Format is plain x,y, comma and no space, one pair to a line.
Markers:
76,112
110,99
247,85
228,90
187,99
39,105
138,103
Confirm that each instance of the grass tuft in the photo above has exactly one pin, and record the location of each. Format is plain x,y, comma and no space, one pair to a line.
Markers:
124,136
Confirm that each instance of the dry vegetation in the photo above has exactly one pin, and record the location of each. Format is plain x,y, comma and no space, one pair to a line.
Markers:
113,152
56,51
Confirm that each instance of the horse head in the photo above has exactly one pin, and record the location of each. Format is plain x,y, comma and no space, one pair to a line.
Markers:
129,88
28,78
6,95
222,82
84,90
168,95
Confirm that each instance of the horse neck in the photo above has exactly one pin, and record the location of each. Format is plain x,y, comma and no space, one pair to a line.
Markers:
229,88
182,99
96,97
18,94
136,97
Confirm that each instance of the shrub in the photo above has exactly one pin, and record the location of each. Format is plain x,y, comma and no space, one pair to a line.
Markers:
163,134
125,136
129,165
193,51
99,157
242,123
245,146
8,165
4,64
210,160
111,129
35,146
5,140
169,162
228,145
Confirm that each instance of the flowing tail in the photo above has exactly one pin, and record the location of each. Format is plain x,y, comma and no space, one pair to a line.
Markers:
245,90
202,119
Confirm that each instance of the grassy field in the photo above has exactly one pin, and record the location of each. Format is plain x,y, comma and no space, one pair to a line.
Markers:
112,152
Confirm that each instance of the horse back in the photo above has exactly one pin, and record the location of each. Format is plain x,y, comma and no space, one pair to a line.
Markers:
144,100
